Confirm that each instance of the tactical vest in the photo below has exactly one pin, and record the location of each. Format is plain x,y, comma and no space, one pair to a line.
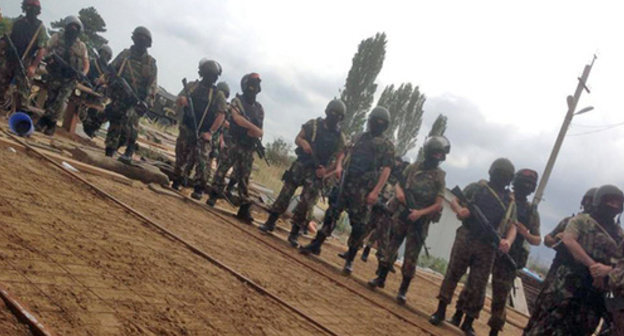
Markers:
23,32
73,54
362,158
491,206
138,70
203,104
423,187
253,113
324,143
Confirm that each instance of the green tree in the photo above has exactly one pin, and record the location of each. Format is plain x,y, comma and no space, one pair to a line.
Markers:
278,152
438,128
93,24
360,85
405,105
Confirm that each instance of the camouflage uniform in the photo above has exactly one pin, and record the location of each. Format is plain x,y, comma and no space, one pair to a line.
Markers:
140,72
240,155
471,251
502,276
379,225
367,157
22,33
571,305
60,85
616,285
423,186
326,144
208,103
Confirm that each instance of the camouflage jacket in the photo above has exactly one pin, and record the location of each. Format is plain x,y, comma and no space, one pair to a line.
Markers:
208,103
616,277
139,71
325,143
77,51
367,156
422,185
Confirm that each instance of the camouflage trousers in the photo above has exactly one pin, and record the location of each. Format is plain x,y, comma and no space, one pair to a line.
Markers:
297,176
414,234
353,200
468,252
378,230
241,160
618,323
569,305
188,155
59,90
8,74
124,125
502,283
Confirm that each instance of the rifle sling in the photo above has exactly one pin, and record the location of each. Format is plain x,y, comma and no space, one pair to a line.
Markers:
509,209
32,41
201,121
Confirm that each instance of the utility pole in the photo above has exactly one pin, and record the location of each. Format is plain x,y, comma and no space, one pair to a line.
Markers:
572,103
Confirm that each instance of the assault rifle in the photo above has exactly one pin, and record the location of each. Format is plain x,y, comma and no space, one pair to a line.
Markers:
411,204
14,55
119,84
68,70
190,109
257,143
481,226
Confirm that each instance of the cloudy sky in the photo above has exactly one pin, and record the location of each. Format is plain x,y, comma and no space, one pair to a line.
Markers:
499,70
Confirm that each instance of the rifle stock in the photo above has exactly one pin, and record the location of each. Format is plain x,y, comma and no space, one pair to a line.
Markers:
482,227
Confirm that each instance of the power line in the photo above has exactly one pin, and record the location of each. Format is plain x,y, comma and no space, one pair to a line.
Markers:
597,126
598,130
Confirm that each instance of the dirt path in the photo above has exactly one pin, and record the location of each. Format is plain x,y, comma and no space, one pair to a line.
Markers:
87,268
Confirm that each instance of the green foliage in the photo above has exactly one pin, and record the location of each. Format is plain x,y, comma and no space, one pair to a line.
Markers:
406,110
360,85
5,25
93,24
438,128
278,152
437,264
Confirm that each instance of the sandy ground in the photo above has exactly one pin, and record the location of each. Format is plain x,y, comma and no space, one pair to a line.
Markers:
85,267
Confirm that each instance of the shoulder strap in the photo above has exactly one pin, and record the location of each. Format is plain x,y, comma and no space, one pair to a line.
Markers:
314,129
494,193
32,41
201,121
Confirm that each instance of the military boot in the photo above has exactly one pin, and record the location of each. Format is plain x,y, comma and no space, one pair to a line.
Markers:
348,267
467,328
401,297
212,199
365,253
380,280
109,152
438,317
269,225
41,124
198,192
49,131
315,246
176,184
343,255
457,318
244,213
294,234
127,155
494,332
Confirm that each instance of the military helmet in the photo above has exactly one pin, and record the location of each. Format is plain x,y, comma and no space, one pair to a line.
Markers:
248,78
72,19
503,165
588,198
437,144
209,67
140,30
105,49
35,3
380,113
336,107
605,191
225,88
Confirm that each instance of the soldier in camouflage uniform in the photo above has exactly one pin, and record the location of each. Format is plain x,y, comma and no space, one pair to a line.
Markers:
378,229
138,69
528,227
218,137
419,194
246,130
319,142
369,163
573,302
29,37
97,76
469,250
60,80
195,139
